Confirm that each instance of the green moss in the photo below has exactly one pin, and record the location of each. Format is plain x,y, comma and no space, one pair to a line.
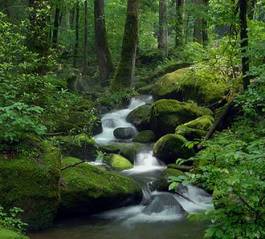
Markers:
118,162
140,117
8,234
146,136
166,114
184,85
88,189
171,147
81,146
32,184
197,128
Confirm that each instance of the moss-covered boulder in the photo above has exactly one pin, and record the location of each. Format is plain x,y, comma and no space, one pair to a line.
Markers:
162,183
31,182
166,115
9,234
127,150
140,117
197,128
184,85
118,162
81,146
171,147
87,189
146,136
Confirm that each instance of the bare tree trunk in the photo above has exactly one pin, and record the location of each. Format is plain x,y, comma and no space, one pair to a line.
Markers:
85,61
55,27
244,41
163,28
126,69
105,64
76,47
179,23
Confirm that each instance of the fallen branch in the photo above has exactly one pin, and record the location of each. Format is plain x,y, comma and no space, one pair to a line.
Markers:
72,165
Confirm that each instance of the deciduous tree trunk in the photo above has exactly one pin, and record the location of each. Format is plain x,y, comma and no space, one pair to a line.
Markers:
126,69
179,23
55,27
163,28
76,47
243,6
85,60
103,53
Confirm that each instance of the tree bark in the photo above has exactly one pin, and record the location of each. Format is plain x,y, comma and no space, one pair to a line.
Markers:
105,64
244,41
85,61
126,69
76,47
179,23
55,27
163,28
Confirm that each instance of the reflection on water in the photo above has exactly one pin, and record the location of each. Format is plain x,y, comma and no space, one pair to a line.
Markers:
107,229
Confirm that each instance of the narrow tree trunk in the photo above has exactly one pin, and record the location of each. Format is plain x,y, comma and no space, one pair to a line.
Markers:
55,27
126,69
244,41
103,53
163,28
179,23
205,37
85,62
76,47
198,25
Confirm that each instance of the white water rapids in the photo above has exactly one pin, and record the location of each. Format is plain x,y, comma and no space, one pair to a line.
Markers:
158,206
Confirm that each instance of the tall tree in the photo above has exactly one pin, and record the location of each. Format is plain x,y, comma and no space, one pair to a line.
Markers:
179,23
105,64
126,69
243,7
163,28
76,47
85,59
56,27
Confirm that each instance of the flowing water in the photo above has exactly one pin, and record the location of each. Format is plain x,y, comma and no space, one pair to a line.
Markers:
161,215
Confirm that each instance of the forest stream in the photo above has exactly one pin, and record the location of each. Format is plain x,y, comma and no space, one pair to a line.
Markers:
160,215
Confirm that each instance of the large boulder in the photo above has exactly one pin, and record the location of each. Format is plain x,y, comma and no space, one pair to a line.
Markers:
87,189
197,128
166,115
31,182
184,85
146,136
81,146
118,162
140,117
171,147
124,133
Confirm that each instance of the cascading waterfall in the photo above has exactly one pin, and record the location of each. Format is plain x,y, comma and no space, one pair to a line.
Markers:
156,206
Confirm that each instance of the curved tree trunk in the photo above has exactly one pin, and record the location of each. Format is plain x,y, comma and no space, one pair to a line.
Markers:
103,53
163,28
126,69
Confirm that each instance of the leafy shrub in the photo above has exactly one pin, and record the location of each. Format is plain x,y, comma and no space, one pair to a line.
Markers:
10,219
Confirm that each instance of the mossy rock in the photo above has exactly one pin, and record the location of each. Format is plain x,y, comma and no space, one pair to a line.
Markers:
162,183
171,147
118,162
127,150
87,189
9,234
195,129
32,183
184,85
81,146
146,136
140,117
166,115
